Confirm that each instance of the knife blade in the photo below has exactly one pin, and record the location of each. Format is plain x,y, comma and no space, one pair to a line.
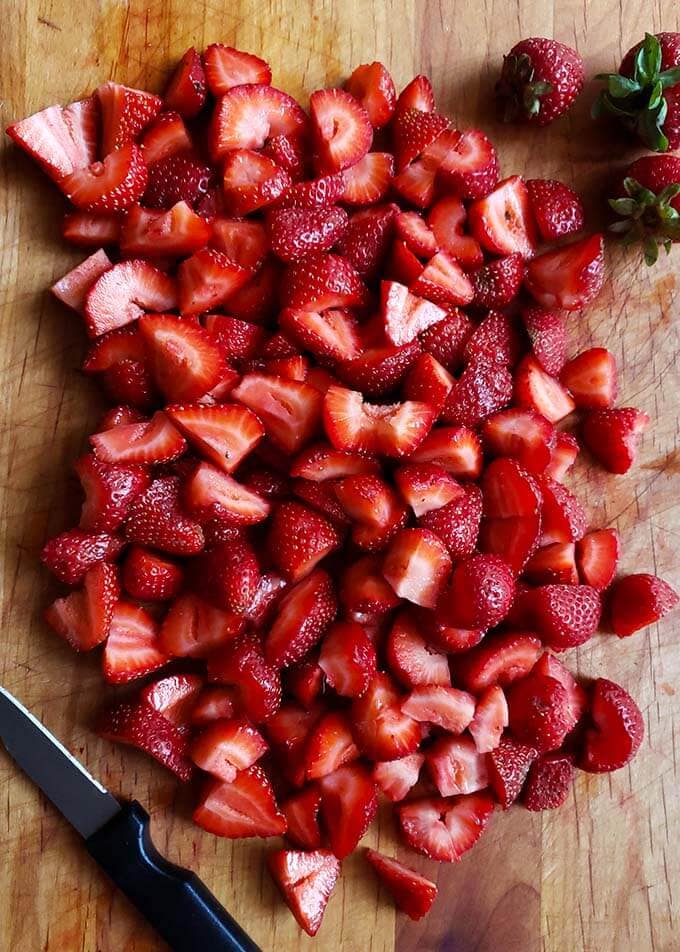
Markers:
175,901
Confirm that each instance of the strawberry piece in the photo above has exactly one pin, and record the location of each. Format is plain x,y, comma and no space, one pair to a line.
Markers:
412,893
366,240
508,767
417,565
90,230
348,659
245,807
495,339
245,242
563,517
226,747
213,703
288,151
247,115
330,745
354,426
490,718
341,129
363,589
348,806
553,563
445,829
455,449
333,334
537,390
321,282
591,378
381,730
447,219
193,628
109,490
396,777
616,732
108,186
509,490
47,137
185,360
550,779
481,390
289,410
368,180
82,121
443,281
155,518
240,340
179,231
150,577
412,132
416,234
499,659
226,67
497,283
210,492
124,292
548,335
418,94
456,767
173,696
243,665
167,135
404,314
141,726
83,618
132,648
304,614
305,680
321,462
550,666
479,594
566,615
597,556
373,507
569,277
319,192
125,112
297,233
207,279
502,221
252,181
446,637
72,288
178,177
564,454
306,881
438,704
403,266
301,811
556,208
227,575
186,90
411,659
74,552
373,87
378,370
636,601
540,715
457,523
471,168
426,486
224,434
514,538
612,436
298,539
447,340
120,357
522,434
416,184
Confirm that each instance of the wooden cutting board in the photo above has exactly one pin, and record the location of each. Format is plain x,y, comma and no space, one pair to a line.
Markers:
603,873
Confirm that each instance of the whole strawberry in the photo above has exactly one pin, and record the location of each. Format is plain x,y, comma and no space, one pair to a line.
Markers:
539,81
645,93
649,204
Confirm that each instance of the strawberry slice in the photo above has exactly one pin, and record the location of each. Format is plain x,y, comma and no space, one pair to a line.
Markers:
152,441
210,492
563,456
509,765
83,618
417,94
132,649
142,726
354,426
502,221
447,219
417,565
396,777
179,231
412,893
47,138
227,575
373,87
537,390
109,490
341,129
456,766
569,277
443,281
597,556
186,90
445,829
456,449
155,518
457,523
303,616
548,335
185,360
167,135
471,168
226,747
252,181
207,279
426,486
125,112
150,577
363,589
306,881
72,553
348,806
411,658
636,601
522,434
242,664
298,539
591,378
374,509
330,745
245,807
499,659
302,817
482,389
553,563
124,292
416,234
617,729
289,410
438,704
348,659
612,436
90,230
490,718
72,288
321,461
566,615
381,730
193,628
333,334
108,186
223,434
247,115
226,67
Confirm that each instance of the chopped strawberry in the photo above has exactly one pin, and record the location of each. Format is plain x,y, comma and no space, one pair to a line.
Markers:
636,601
616,731
321,282
118,415
550,779
498,282
109,186
553,563
455,449
443,281
495,339
416,184
563,517
348,659
297,233
556,208
515,538
416,234
90,230
245,242
348,806
509,490
597,556
540,714
564,454
243,665
522,434
210,492
173,696
509,765
289,151
447,340
502,221
404,314
456,766
226,67
372,86
457,523
396,777
490,718
298,539
417,565
132,649
366,240
479,594
178,177
226,747
304,614
471,170
321,496
548,335
141,726
244,807
302,817
333,334
569,277
167,135
341,129
446,637
252,181
591,378
374,508
379,369
306,881
47,138
227,575
402,265
330,745
186,90
305,680
481,390
426,486
500,659
566,615
109,490
412,893
381,730
439,704
417,94
247,115
410,658
537,390
289,410
550,666
412,132
207,279
444,829
355,426
224,434
178,231
319,192
155,518
447,219
321,462
72,288
185,360
125,112
612,436
83,618
149,576
193,628
74,552
368,180
124,292
363,589
213,703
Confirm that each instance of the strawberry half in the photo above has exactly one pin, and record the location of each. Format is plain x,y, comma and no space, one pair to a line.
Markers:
636,601
456,449
569,277
444,829
302,817
244,807
304,614
348,806
616,731
211,493
306,881
566,615
247,115
186,90
226,67
132,649
412,893
252,181
108,186
612,436
457,523
341,129
227,575
503,222
373,87
124,292
597,556
426,486
439,704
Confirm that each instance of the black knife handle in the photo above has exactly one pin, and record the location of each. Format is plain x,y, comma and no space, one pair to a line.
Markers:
176,903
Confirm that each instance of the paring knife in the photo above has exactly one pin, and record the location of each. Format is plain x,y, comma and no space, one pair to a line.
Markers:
178,905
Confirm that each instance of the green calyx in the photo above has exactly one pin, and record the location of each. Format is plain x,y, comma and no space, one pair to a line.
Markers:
647,218
638,101
518,92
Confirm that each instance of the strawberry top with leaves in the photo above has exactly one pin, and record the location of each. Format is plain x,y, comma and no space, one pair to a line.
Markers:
539,81
649,204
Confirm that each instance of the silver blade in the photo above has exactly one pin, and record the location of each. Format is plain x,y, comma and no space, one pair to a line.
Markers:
83,801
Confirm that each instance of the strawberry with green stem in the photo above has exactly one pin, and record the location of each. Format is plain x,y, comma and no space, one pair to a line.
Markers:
649,207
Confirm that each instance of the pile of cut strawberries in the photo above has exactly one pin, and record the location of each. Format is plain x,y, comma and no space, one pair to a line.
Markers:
330,489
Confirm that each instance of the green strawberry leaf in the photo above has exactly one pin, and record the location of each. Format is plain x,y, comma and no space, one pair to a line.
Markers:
620,227
669,193
623,206
656,97
670,77
620,86
651,250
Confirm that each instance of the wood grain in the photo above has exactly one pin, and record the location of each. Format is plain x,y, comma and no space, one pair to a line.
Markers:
601,874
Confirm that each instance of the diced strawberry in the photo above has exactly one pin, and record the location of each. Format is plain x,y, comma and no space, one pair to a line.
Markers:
564,454
456,766
149,576
374,508
523,434
155,518
479,594
243,665
569,277
321,282
548,335
417,565
563,517
83,618
302,817
597,556
167,135
297,233
303,616
446,219
496,339
509,490
298,539
416,234
509,765
47,138
321,462
244,807
108,186
178,177
208,491
341,129
213,703
515,538
354,426
616,732
244,242
372,86
348,806
319,192
125,112
471,170
381,730
566,615
540,713
185,360
247,115
378,370
186,89
306,881
289,410
348,659
82,120
226,67
591,378
289,151
443,281
455,449
636,601
411,659
224,434
227,575
363,589
537,390
416,184
226,747
72,553
446,637
207,279
194,628
396,777
252,181
333,334
173,696
132,649
482,389
90,230
499,659
426,486
438,704
179,231
72,288
412,132
109,490
490,718
550,666
553,563
124,292
550,779
457,523
498,282
502,221
612,436
141,726
444,829
404,314
321,496
330,745
417,94
412,893
403,266
556,208
447,340
368,180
